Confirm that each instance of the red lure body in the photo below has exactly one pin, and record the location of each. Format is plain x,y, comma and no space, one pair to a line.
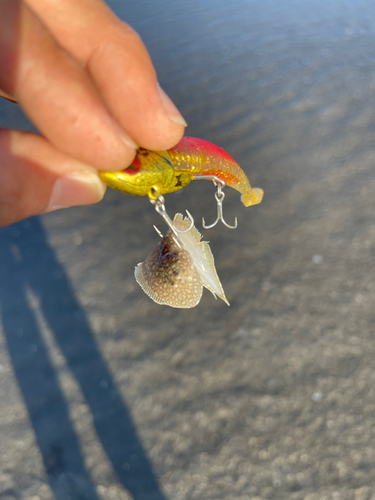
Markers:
155,173
201,158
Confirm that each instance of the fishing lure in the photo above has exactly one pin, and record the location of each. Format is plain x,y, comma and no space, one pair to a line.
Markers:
155,173
180,266
175,276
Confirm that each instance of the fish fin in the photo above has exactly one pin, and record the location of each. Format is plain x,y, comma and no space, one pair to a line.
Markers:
210,259
138,274
181,223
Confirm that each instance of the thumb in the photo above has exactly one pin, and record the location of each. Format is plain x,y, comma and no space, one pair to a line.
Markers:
36,178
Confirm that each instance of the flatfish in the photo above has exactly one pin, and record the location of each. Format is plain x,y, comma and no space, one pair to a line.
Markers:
175,276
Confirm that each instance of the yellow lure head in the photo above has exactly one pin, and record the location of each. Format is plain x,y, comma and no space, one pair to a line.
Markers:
150,174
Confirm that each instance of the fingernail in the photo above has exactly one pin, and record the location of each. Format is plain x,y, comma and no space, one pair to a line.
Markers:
126,140
79,188
124,136
170,108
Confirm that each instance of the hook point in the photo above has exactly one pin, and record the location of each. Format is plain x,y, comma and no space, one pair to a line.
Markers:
159,232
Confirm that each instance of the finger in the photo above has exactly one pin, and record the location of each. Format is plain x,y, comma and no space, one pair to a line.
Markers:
56,93
36,178
120,65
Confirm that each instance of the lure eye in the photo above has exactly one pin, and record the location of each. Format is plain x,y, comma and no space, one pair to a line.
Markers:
133,168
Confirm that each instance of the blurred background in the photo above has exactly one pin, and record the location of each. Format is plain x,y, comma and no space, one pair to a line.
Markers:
106,395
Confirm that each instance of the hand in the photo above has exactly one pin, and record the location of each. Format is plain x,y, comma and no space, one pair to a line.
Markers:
86,81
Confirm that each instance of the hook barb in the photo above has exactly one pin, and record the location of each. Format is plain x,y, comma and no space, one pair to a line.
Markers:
159,232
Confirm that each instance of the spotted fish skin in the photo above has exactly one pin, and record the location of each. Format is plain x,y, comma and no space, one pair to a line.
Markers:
168,275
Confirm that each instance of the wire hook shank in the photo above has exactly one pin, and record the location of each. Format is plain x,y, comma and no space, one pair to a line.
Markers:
160,209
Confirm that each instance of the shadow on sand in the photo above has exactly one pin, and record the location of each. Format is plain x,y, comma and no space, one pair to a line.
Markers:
27,261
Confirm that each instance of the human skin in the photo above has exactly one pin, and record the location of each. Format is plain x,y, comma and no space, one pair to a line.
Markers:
85,79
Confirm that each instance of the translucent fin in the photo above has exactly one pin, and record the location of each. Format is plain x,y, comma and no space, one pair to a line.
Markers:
201,254
142,282
211,262
182,223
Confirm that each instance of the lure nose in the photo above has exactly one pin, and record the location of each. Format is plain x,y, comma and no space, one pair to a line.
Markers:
126,180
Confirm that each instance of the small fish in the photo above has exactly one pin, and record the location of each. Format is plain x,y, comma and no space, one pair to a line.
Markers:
161,172
168,275
175,276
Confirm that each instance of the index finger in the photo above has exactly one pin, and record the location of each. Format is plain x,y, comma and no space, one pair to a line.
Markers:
119,63
57,93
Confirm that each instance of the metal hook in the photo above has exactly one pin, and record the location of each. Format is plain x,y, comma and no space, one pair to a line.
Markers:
219,196
159,232
160,208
